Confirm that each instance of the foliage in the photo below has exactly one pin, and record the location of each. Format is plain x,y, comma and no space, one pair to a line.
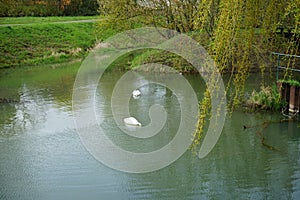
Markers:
17,8
204,112
162,57
118,15
291,82
178,15
239,34
81,8
267,98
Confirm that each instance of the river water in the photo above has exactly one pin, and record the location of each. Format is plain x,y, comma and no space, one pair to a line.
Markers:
42,156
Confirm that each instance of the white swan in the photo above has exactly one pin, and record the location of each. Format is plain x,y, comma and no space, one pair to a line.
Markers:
136,93
132,121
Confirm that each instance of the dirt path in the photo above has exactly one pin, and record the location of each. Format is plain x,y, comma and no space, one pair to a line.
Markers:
62,22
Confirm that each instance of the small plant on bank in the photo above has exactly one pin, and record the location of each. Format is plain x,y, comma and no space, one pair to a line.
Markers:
267,98
290,82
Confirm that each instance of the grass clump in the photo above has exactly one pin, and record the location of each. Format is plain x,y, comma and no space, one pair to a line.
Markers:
267,98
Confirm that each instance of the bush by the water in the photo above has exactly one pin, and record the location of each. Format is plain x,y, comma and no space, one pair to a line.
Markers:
267,98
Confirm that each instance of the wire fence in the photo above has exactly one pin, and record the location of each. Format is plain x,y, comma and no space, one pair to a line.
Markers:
279,59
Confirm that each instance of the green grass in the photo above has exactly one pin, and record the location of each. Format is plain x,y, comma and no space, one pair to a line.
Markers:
45,43
33,20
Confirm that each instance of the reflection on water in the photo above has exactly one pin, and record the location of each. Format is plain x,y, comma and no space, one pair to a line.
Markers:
41,156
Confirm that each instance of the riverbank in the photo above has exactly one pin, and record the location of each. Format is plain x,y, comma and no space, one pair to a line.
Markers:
45,40
33,41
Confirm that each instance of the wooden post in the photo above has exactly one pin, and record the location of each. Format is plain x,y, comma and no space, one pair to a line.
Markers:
292,99
297,97
284,91
279,88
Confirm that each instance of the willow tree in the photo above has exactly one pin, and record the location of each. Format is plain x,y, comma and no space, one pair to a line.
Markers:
242,36
239,34
291,23
245,34
126,14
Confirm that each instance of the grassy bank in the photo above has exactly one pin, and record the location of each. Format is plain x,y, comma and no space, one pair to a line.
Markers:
40,41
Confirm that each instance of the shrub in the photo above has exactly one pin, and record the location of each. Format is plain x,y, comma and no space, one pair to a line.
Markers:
267,98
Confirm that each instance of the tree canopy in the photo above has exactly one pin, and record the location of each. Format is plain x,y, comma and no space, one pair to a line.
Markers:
16,8
239,34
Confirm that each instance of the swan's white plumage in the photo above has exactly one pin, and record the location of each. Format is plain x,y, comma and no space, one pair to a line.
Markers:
132,121
136,93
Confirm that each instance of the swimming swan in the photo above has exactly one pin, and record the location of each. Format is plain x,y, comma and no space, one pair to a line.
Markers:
136,93
132,121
